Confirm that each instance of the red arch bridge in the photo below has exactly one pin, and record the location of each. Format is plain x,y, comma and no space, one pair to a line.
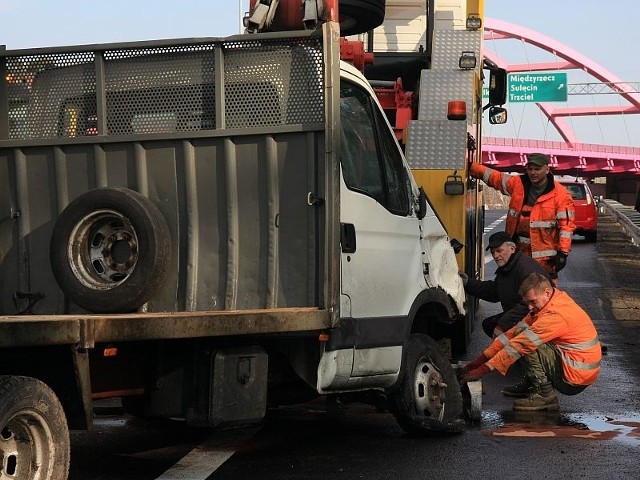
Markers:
620,165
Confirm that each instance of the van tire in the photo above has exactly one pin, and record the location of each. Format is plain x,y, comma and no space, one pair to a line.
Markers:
110,250
30,410
427,399
360,16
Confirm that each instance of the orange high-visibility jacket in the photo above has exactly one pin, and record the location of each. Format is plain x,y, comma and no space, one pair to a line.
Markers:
562,323
551,222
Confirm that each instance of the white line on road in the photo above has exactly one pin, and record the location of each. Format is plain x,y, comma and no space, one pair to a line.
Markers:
207,457
495,223
199,463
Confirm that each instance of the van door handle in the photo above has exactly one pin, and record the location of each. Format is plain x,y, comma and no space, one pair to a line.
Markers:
348,237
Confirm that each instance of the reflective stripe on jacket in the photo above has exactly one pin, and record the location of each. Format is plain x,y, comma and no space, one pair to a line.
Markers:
561,323
551,222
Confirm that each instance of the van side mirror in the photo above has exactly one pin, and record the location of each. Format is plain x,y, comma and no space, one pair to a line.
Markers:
497,115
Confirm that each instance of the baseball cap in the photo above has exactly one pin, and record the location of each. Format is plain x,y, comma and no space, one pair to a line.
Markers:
498,239
539,159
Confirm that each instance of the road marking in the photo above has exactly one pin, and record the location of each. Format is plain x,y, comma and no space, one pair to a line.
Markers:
199,463
495,223
207,457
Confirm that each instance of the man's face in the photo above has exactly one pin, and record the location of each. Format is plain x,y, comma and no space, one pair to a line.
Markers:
502,254
536,173
537,300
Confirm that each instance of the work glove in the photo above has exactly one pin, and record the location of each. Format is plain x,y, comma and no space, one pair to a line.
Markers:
464,277
475,363
476,374
561,261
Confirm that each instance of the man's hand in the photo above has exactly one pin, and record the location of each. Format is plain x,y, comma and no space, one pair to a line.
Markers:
475,363
561,261
476,374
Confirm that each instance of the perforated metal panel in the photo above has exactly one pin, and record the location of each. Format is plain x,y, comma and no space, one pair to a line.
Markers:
273,84
26,102
161,90
165,89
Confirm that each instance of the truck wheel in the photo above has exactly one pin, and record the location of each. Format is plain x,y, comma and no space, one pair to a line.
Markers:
428,398
360,16
110,250
34,437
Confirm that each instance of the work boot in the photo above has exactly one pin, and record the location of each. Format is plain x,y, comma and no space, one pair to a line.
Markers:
522,389
542,397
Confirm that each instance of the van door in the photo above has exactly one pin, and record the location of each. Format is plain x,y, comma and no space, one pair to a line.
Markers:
381,266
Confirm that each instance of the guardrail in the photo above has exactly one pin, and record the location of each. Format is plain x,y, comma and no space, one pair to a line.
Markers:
627,217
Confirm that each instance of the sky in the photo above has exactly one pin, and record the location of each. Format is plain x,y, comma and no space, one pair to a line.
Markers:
604,31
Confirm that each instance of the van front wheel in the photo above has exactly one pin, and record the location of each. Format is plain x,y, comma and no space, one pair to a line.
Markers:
428,398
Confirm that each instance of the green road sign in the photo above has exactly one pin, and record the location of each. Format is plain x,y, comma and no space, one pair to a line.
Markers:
538,87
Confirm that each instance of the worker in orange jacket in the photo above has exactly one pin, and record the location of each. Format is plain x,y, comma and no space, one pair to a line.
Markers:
557,345
541,211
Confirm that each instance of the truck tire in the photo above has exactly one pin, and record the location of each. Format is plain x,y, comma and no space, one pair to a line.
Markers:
428,399
360,16
34,438
110,250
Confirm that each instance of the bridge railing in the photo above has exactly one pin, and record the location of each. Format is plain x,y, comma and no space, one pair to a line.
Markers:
557,145
628,218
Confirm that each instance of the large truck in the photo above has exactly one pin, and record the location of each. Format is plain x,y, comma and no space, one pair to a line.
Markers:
208,227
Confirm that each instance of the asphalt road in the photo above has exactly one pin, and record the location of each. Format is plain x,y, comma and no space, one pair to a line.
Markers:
595,435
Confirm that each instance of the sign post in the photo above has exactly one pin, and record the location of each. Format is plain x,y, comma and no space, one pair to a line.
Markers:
538,87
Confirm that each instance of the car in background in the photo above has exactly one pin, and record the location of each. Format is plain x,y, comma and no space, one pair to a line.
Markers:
586,219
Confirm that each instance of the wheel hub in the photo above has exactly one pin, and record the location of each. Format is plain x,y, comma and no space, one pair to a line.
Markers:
23,441
429,390
105,250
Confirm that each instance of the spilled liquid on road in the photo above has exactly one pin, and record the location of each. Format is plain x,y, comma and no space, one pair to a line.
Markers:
562,425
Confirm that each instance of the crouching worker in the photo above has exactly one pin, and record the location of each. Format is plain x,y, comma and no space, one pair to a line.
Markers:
557,345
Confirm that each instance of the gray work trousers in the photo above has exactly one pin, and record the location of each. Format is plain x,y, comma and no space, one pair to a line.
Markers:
545,365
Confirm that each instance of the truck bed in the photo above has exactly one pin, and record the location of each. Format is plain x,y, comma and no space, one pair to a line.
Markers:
86,330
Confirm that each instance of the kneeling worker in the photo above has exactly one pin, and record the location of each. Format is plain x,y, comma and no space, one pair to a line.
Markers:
513,267
556,343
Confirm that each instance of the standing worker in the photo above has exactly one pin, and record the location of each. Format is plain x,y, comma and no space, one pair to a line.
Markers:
557,344
541,211
513,267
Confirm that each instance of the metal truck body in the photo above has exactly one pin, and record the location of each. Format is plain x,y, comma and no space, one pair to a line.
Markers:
204,227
